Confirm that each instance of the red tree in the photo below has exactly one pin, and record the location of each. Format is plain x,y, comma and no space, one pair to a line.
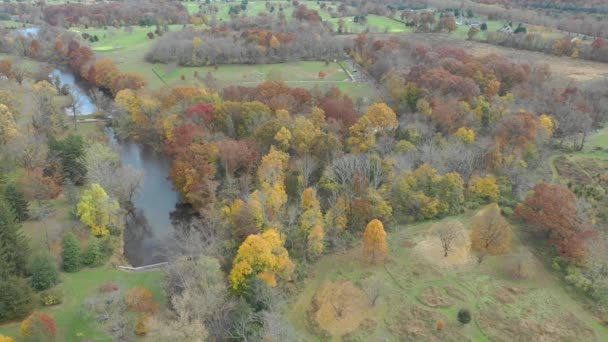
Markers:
339,108
552,208
237,155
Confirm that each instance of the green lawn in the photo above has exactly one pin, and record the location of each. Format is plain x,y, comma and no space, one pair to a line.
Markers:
112,38
375,23
73,322
401,313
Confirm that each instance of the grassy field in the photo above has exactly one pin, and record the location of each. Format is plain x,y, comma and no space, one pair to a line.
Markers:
73,322
256,7
112,39
419,288
375,23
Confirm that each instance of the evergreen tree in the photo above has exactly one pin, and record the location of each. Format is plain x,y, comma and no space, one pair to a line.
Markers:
93,256
16,199
70,253
44,272
16,298
14,249
70,152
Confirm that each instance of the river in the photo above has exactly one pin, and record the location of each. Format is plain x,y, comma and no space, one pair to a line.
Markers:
150,226
158,210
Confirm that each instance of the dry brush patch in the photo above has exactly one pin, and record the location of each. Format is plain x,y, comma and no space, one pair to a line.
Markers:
434,297
413,323
339,308
520,315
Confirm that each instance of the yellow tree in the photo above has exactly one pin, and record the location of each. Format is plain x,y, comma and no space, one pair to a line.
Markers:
379,119
283,137
375,247
311,222
304,134
271,175
8,127
263,256
484,188
97,210
491,233
382,118
6,338
274,43
466,135
317,115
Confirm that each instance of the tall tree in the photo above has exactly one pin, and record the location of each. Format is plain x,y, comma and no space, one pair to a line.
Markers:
552,208
70,253
491,233
16,199
70,153
375,247
8,126
97,210
16,298
44,272
261,255
14,249
311,222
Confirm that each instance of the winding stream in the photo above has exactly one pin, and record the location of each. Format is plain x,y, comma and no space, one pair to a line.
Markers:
157,206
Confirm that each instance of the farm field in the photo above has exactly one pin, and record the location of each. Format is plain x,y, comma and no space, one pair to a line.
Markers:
419,288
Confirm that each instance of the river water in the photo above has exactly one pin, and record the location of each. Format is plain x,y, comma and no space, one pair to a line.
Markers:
158,210
150,226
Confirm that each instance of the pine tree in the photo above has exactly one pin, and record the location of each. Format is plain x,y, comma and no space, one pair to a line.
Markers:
14,249
44,272
70,253
93,256
16,298
16,199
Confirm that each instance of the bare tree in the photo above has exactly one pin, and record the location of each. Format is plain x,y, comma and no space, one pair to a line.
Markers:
450,233
75,106
307,165
279,329
129,181
373,287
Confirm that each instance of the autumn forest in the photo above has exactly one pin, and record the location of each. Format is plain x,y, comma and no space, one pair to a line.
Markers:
384,170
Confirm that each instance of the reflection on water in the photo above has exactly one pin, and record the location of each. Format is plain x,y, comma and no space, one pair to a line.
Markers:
78,88
150,226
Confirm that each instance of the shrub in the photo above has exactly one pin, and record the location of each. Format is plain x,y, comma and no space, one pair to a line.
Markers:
16,298
38,327
141,326
108,287
140,299
93,256
440,324
44,272
464,316
70,253
51,297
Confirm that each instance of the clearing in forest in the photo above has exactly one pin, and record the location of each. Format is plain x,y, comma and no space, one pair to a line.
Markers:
419,295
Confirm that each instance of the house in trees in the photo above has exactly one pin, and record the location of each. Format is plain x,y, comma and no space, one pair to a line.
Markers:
507,28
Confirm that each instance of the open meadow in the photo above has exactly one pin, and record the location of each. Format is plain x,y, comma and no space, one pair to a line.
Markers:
417,294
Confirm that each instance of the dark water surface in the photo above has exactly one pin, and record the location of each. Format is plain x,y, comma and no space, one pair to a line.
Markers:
150,227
